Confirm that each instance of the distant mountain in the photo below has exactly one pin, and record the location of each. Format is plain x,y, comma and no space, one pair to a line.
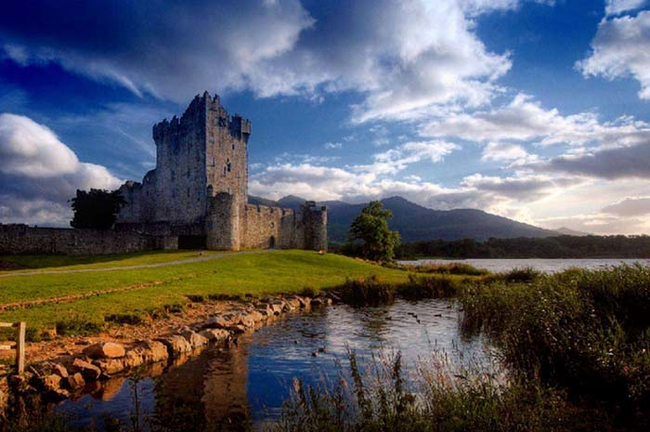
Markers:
417,223
571,232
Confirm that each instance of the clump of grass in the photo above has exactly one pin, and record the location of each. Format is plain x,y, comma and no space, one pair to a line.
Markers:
366,291
419,287
124,318
453,268
197,298
525,275
381,398
586,330
79,325
174,308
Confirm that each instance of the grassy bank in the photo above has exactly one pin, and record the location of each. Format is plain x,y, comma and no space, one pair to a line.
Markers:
585,331
152,290
12,263
576,344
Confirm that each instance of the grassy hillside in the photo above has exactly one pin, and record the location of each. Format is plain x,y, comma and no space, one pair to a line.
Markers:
144,291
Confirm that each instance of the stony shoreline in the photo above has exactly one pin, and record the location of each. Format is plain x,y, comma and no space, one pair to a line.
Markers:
104,358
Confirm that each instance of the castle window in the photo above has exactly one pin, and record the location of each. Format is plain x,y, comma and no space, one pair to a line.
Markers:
188,173
224,171
229,165
233,146
173,175
188,192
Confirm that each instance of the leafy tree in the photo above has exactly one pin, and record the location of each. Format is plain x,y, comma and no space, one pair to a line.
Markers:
370,235
96,208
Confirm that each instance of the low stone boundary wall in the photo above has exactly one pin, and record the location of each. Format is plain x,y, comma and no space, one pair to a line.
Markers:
60,378
21,239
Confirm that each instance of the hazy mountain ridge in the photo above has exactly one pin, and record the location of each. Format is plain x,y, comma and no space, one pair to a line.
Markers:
417,223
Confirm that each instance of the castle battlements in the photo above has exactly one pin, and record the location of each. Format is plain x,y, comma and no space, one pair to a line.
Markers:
201,180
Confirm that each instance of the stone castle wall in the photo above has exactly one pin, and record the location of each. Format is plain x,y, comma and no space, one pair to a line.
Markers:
21,239
203,152
231,225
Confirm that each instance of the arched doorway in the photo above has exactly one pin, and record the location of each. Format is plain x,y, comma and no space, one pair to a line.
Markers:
272,242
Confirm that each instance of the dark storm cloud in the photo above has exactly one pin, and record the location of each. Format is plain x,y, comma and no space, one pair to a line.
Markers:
615,163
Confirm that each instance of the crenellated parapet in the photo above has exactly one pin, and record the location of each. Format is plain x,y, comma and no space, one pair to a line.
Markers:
201,180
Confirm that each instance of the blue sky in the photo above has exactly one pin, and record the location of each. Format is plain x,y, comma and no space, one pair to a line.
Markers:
538,110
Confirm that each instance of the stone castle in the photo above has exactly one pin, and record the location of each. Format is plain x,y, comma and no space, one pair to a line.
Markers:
197,196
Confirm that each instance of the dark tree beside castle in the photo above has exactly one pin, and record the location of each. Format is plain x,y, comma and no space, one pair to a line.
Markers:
96,208
370,236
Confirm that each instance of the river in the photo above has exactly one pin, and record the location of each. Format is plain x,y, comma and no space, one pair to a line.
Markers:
249,382
544,265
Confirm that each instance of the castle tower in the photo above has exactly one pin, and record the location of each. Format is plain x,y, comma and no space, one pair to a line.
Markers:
226,150
203,149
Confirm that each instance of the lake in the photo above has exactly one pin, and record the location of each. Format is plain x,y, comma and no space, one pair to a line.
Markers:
249,382
545,265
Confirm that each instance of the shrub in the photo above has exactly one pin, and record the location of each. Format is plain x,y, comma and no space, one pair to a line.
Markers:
448,269
78,325
583,329
526,275
366,291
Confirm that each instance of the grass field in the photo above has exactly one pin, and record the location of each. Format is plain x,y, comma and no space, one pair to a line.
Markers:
156,289
68,262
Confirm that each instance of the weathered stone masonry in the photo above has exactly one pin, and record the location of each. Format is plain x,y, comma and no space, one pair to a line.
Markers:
197,196
200,188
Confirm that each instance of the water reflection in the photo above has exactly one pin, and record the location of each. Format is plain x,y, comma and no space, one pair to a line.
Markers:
243,385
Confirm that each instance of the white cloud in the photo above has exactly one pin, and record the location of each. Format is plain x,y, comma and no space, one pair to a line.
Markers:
615,7
524,119
333,146
402,56
506,152
38,173
620,49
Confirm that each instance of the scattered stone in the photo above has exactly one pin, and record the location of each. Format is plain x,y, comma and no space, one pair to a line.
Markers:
265,309
321,349
257,316
150,351
89,371
110,366
305,302
60,370
195,339
276,306
176,344
219,321
238,329
314,354
75,381
103,350
48,383
215,335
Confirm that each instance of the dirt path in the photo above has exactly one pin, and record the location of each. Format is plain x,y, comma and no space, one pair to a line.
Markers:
139,266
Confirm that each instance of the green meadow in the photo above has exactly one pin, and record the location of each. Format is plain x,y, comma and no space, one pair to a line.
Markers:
131,294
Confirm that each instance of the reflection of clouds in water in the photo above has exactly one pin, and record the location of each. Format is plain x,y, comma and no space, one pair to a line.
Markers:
283,351
256,377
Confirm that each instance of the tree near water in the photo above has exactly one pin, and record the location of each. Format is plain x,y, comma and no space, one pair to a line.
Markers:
370,234
96,208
